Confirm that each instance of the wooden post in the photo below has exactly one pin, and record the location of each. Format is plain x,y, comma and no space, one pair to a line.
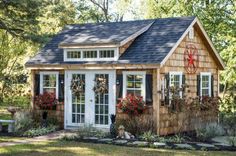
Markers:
156,99
32,81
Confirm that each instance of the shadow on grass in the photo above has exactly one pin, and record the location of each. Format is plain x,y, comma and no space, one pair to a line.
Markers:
70,148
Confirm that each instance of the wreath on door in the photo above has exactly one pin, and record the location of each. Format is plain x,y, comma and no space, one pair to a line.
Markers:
77,86
100,85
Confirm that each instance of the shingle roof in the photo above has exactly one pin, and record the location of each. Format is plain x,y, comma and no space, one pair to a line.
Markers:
149,48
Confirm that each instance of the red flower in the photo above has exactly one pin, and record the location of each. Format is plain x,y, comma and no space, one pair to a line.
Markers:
45,100
132,105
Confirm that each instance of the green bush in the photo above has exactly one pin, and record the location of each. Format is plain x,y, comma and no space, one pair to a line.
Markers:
148,136
232,141
136,125
23,121
90,131
208,132
40,131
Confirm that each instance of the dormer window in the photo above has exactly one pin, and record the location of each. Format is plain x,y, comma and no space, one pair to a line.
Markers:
103,54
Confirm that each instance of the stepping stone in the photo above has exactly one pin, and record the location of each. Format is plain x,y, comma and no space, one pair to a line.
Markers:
107,140
187,146
221,144
206,145
90,138
140,143
159,144
120,141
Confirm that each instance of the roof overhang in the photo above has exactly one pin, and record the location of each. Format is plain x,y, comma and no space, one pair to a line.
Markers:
90,66
197,24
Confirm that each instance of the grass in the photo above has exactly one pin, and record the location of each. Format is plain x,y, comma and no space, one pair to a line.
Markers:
71,148
4,114
10,138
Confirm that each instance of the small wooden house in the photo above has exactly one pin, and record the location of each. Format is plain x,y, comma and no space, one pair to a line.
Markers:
143,57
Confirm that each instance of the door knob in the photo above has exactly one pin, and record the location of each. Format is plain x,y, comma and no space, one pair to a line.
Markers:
91,100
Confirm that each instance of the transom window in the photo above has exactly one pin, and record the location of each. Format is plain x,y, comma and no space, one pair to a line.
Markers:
49,82
134,83
205,84
73,54
89,54
105,54
176,82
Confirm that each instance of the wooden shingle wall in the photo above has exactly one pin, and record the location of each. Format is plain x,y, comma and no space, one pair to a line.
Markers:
173,122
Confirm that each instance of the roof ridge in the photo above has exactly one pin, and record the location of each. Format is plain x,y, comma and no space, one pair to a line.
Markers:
139,20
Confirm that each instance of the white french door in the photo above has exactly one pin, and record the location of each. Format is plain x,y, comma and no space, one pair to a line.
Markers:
89,106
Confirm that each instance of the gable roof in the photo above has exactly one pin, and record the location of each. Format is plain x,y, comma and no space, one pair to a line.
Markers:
154,42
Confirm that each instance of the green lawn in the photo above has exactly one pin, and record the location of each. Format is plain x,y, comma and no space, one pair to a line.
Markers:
4,114
62,148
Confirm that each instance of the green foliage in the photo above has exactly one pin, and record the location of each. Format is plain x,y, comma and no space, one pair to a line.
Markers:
228,114
23,121
136,125
208,132
90,131
148,136
40,131
232,141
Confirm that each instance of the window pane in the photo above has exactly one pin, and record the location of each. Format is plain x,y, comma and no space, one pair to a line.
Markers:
130,77
138,84
137,92
90,54
205,92
130,84
73,54
205,84
138,77
49,80
106,53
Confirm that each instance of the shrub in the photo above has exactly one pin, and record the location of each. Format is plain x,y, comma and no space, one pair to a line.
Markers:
46,101
23,121
90,131
208,132
40,131
136,125
148,136
232,141
132,105
176,138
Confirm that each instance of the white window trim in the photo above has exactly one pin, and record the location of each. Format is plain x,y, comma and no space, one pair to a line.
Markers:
115,58
181,80
49,73
143,87
209,88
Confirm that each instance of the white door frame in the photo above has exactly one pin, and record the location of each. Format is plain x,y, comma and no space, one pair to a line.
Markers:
89,97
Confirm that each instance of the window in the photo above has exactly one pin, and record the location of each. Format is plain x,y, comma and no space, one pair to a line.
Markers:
49,82
205,85
73,54
102,54
106,53
134,83
89,54
176,82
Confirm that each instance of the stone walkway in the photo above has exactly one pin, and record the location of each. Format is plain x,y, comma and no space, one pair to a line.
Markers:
220,142
51,136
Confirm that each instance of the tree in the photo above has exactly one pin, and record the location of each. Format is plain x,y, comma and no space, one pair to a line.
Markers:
19,17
